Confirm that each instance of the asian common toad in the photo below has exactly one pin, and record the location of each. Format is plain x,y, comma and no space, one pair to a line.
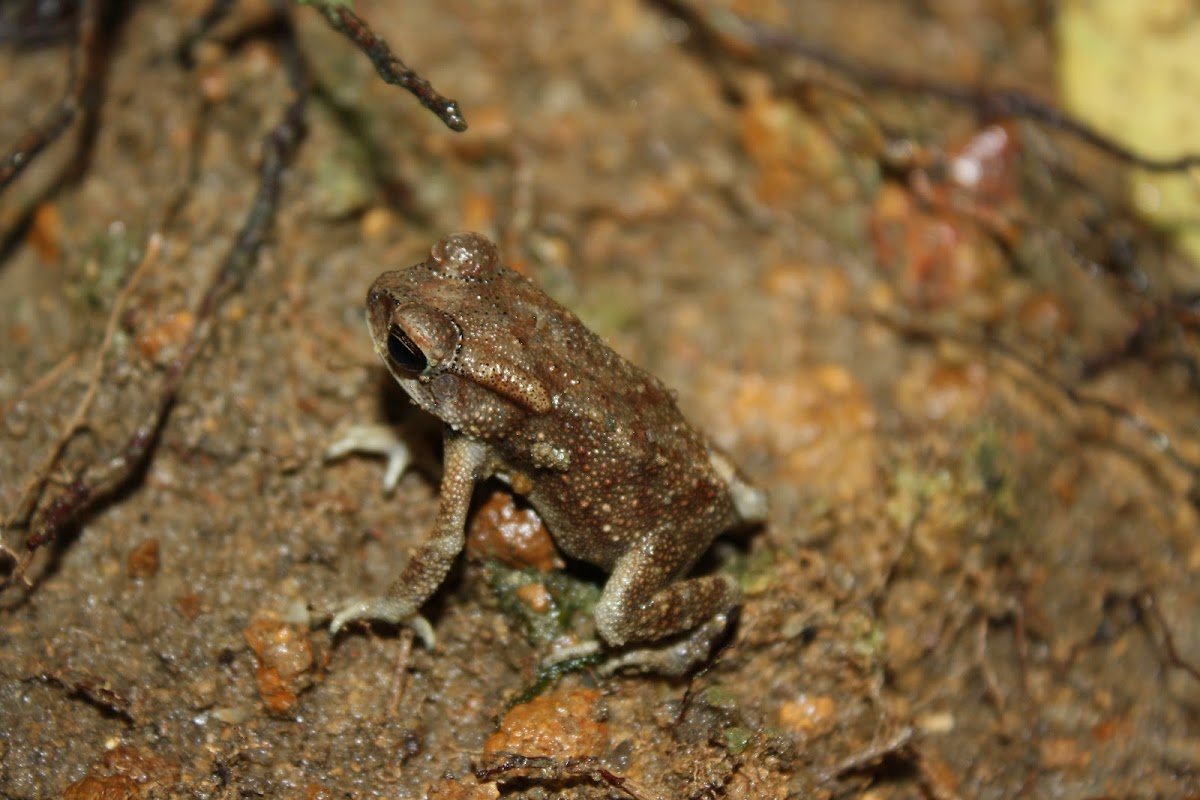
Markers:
596,445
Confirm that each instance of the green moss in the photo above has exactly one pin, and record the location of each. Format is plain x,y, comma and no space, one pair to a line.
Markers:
912,490
869,641
990,479
973,488
737,740
718,696
755,572
568,596
108,260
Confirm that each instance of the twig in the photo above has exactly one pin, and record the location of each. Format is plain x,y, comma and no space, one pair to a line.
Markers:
877,594
200,28
1021,642
389,67
94,691
36,24
1154,436
1146,603
735,35
37,482
279,146
989,103
934,780
191,169
990,682
554,768
37,139
40,385
871,755
1142,608
399,680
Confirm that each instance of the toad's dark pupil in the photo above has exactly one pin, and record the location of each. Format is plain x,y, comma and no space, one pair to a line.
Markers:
406,355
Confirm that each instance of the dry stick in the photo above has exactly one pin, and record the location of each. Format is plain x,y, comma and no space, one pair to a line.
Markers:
199,139
93,690
201,27
554,768
990,681
81,70
1155,437
389,67
876,595
1021,643
989,103
37,481
40,385
1146,603
20,517
278,148
400,674
1146,613
934,780
871,755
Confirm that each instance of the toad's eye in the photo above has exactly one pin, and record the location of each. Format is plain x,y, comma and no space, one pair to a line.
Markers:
404,352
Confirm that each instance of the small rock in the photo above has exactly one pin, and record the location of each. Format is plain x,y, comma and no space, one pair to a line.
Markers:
511,534
285,660
558,725
143,561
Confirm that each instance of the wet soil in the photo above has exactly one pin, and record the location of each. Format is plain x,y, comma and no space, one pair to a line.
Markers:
972,402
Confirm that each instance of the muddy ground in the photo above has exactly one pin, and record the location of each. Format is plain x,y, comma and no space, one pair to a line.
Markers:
973,404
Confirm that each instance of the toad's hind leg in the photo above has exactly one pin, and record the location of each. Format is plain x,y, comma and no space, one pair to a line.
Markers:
643,603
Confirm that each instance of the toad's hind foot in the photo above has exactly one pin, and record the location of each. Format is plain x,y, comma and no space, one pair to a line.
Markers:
677,657
673,658
396,612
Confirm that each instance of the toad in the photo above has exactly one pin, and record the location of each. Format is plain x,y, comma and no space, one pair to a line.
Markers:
595,444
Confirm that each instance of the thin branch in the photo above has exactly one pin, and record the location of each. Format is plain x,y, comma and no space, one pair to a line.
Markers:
200,28
1140,608
94,691
551,768
990,681
400,674
749,42
278,149
37,139
1154,436
32,492
389,67
989,103
1146,603
895,744
40,385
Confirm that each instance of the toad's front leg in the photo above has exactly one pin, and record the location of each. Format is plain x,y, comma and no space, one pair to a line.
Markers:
428,564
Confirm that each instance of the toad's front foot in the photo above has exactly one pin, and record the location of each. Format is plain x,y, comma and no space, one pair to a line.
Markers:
376,440
396,612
